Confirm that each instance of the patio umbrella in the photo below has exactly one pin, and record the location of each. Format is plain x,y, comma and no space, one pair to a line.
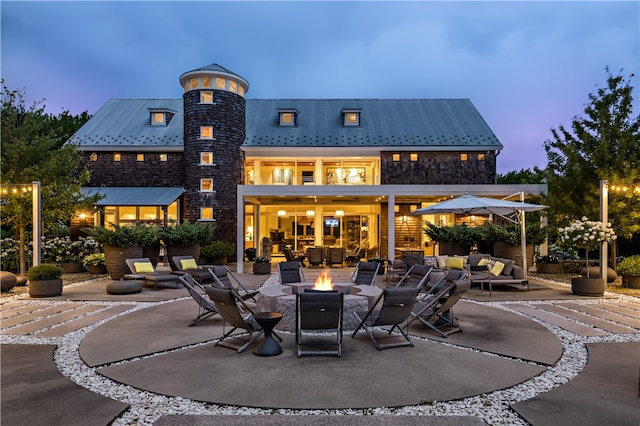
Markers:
469,204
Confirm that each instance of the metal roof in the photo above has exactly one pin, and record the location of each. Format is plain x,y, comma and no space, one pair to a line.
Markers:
125,123
420,123
135,196
426,124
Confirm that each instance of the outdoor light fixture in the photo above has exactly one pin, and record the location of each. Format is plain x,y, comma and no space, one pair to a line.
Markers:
282,213
339,213
311,213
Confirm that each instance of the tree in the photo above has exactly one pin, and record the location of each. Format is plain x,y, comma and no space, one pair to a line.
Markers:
32,150
523,177
604,144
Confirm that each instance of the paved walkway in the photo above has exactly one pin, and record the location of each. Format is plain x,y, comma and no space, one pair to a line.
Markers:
516,357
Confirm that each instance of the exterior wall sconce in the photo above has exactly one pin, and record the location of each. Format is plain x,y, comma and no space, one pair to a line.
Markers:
282,213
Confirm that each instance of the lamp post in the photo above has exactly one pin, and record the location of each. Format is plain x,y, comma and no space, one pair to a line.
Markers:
604,218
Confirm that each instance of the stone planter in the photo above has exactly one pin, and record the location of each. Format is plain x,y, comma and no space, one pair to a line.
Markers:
7,280
97,269
152,253
45,288
219,260
114,258
261,268
192,250
584,286
631,281
72,267
453,249
548,268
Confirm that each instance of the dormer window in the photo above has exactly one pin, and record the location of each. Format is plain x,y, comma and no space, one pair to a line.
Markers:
160,116
351,117
288,117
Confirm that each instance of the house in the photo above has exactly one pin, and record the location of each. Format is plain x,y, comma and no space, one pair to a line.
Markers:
298,172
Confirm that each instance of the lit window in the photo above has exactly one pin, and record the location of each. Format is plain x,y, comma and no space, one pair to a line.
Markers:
241,90
481,157
117,156
163,157
194,83
350,117
287,117
395,157
206,158
414,156
206,185
206,213
233,86
186,86
206,132
206,97
207,82
93,157
221,83
464,157
157,118
140,157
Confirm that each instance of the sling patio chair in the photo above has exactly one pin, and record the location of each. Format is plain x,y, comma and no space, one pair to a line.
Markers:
188,264
206,308
336,256
291,255
352,258
416,276
224,278
365,273
396,306
142,269
235,312
290,272
319,316
315,256
435,308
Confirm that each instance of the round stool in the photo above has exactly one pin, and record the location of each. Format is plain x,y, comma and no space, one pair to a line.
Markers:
124,287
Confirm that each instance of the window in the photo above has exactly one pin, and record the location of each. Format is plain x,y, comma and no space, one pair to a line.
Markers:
414,156
163,157
93,157
117,156
350,117
464,157
206,97
206,158
481,156
233,86
287,117
194,83
241,91
206,132
158,118
221,83
206,185
395,157
140,157
206,213
207,82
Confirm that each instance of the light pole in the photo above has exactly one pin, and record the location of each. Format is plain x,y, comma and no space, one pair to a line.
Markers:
604,218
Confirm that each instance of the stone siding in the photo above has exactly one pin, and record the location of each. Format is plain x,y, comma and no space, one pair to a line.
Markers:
131,172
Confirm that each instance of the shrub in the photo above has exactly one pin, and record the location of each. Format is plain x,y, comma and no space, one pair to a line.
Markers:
187,233
217,249
262,260
125,236
44,272
95,259
629,265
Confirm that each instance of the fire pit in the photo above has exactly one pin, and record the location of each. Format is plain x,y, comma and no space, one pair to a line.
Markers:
283,299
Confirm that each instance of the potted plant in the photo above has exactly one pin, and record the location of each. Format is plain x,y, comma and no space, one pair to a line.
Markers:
68,253
629,268
45,280
95,263
218,251
381,261
588,235
119,243
262,266
549,264
185,239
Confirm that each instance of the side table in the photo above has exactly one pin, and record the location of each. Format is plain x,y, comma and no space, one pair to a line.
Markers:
269,346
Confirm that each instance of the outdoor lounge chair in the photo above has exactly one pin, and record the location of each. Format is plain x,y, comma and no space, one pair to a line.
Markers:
335,256
142,269
188,264
416,276
237,314
396,267
365,273
435,308
290,255
290,272
318,311
354,257
199,294
315,256
224,278
397,304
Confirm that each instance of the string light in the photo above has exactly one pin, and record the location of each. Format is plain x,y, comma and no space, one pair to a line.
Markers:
16,188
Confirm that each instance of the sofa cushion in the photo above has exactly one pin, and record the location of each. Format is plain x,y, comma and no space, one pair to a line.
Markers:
508,265
482,262
455,263
442,261
497,268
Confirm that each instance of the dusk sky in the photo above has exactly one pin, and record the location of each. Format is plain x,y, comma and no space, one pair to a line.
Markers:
528,67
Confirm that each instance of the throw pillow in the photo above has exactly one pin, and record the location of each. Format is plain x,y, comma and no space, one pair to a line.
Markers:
143,267
483,262
497,268
442,261
455,262
188,264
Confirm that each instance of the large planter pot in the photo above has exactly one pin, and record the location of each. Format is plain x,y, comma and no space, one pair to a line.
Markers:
502,249
261,268
453,249
631,281
45,288
152,253
192,250
97,269
114,259
72,267
219,260
7,280
584,286
548,268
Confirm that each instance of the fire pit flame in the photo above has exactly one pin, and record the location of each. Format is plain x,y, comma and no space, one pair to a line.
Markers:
323,282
